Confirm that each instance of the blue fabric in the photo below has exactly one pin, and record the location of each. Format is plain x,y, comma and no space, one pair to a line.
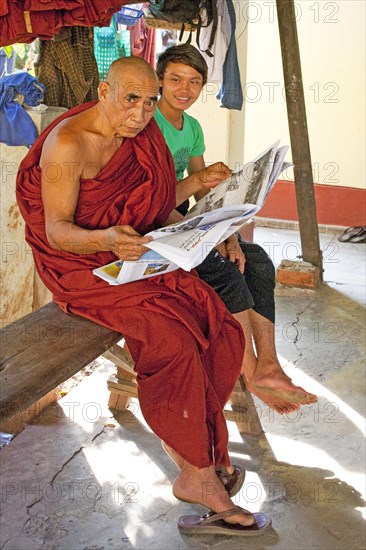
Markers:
6,63
16,126
231,93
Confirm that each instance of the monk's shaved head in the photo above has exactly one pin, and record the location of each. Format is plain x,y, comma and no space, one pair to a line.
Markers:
122,67
128,97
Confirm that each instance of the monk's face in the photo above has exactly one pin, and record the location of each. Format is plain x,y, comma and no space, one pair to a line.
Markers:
181,85
130,103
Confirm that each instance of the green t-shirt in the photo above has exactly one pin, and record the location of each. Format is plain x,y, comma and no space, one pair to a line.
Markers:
183,144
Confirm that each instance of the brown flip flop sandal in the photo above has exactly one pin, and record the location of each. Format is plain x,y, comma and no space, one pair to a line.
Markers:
214,524
232,482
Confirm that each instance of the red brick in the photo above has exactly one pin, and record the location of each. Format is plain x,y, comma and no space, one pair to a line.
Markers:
298,274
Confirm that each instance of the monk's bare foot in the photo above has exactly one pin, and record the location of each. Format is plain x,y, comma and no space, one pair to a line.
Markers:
179,461
202,486
176,458
270,379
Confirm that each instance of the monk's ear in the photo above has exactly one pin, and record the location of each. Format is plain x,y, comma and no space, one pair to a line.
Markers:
103,91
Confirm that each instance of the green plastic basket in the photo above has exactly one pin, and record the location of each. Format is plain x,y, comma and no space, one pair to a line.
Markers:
110,45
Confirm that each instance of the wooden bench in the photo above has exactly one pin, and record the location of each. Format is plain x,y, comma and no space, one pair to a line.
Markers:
46,347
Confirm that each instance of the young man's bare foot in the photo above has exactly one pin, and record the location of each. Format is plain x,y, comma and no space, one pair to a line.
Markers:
266,380
261,369
273,401
269,378
202,486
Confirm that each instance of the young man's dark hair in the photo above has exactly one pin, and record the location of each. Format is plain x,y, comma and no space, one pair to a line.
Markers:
183,53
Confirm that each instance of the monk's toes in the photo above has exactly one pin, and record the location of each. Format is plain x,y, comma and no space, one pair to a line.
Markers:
238,515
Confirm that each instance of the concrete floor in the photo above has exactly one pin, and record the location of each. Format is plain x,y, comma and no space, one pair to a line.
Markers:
81,479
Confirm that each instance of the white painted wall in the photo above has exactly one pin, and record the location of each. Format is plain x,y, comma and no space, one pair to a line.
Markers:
214,122
332,48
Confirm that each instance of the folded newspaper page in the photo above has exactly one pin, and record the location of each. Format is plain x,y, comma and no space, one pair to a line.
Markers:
184,244
149,265
187,243
250,184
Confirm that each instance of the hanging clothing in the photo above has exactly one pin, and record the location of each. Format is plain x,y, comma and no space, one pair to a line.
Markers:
67,67
231,92
187,348
220,46
93,13
7,64
143,41
24,22
223,67
19,25
16,126
44,5
4,8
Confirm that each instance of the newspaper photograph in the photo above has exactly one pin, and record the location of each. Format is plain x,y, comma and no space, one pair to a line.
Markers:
250,184
121,272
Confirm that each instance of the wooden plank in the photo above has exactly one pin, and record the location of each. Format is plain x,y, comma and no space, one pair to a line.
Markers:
117,402
153,23
121,358
123,374
243,412
125,387
42,350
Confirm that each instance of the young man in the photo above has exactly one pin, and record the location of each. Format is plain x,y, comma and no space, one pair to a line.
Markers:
241,273
94,181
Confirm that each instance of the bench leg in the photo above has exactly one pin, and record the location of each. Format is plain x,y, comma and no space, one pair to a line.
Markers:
243,410
123,386
118,401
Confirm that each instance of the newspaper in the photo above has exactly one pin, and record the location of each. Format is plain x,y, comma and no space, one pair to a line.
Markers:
149,265
184,244
210,221
249,184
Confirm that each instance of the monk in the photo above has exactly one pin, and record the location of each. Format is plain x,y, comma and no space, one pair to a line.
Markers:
94,182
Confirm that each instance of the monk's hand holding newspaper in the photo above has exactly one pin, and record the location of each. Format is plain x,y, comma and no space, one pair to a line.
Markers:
126,243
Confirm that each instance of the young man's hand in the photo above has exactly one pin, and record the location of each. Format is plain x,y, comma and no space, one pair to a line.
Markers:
213,175
231,250
200,181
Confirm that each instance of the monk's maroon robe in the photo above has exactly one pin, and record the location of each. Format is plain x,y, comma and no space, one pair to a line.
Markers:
187,348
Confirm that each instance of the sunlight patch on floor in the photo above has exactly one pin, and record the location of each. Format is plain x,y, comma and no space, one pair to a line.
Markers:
302,379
